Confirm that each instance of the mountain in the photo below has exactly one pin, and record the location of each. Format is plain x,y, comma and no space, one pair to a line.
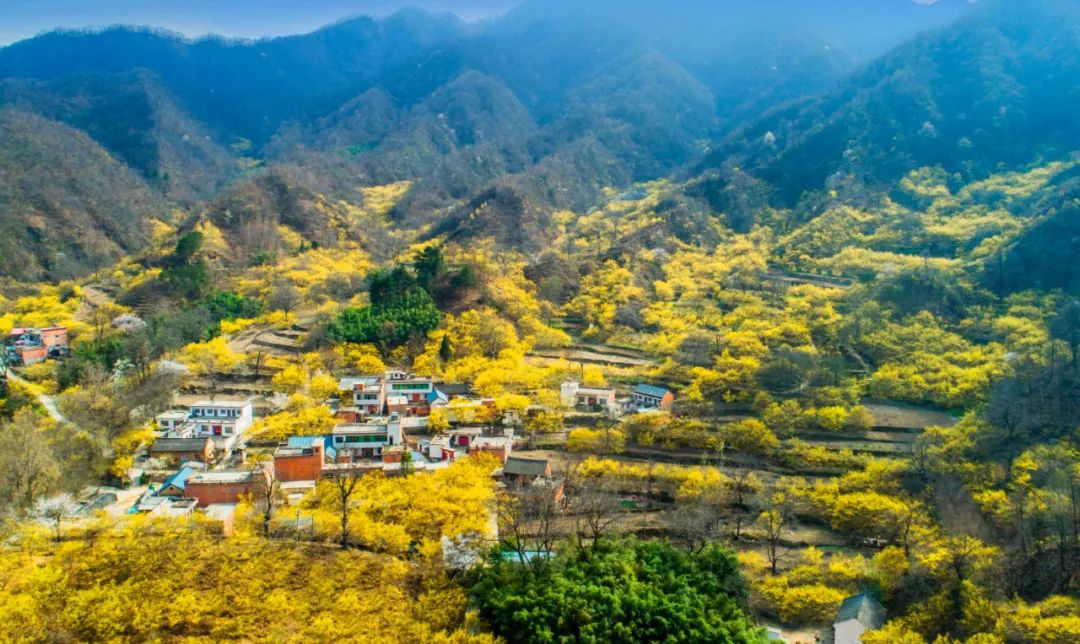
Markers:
136,119
992,91
1045,256
66,205
543,109
541,52
241,88
751,55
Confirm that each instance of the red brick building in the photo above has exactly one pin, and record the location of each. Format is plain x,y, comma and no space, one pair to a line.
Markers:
54,337
299,463
498,446
208,488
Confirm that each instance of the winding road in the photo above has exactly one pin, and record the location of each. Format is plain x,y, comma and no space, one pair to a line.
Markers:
44,399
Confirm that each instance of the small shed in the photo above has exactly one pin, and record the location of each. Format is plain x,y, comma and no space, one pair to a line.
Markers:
858,614
517,468
646,396
176,484
183,449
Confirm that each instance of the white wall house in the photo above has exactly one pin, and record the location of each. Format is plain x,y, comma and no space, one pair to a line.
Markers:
223,421
858,614
393,392
370,439
174,422
417,392
572,394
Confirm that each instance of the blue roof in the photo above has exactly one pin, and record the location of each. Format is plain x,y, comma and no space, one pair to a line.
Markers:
651,391
178,480
307,442
528,555
436,395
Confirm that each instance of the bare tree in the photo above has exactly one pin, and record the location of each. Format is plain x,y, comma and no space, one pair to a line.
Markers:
283,296
257,366
571,474
528,518
650,479
267,493
54,511
345,484
697,522
773,522
596,510
744,487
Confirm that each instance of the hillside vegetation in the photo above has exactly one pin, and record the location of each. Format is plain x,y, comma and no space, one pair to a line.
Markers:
67,204
862,293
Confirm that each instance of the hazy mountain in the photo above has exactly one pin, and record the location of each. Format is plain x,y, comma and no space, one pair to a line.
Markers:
540,51
241,88
136,120
66,205
992,91
541,109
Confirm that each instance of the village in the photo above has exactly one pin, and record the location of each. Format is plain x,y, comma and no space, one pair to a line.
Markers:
205,459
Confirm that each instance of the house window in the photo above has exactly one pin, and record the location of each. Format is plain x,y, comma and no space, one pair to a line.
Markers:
412,387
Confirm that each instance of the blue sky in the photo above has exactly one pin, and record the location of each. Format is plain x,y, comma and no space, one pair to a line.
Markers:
240,18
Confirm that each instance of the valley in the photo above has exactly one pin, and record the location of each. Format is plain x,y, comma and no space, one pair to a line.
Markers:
579,324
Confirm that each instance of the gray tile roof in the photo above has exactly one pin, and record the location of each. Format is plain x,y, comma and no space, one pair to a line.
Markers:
517,466
179,444
864,608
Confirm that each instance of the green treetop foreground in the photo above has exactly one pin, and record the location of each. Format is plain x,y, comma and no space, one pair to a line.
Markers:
621,591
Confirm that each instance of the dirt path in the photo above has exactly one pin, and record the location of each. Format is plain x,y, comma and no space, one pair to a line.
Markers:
899,416
592,356
790,277
43,399
95,297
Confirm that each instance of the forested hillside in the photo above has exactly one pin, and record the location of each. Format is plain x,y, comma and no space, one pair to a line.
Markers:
722,322
133,117
548,105
987,93
67,204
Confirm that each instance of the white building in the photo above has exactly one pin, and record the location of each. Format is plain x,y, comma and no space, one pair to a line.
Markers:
858,614
223,421
416,393
173,421
392,392
573,394
441,448
368,393
368,440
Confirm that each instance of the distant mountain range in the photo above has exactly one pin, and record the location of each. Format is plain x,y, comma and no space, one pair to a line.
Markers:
539,110
992,92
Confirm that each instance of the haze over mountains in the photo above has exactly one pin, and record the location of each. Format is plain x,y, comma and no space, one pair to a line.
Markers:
232,18
537,111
